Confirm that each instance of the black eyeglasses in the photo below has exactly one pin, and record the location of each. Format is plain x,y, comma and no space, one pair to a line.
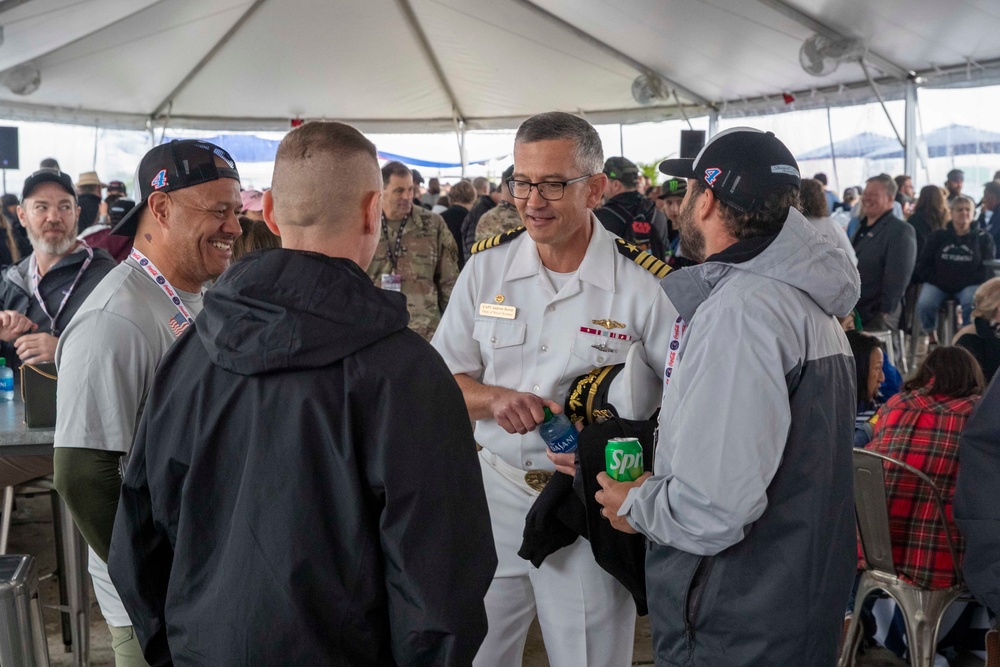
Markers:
549,190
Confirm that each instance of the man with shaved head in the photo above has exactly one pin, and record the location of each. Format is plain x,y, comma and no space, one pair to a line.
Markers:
304,487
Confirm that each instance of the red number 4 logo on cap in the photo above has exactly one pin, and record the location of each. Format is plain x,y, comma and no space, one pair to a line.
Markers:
160,180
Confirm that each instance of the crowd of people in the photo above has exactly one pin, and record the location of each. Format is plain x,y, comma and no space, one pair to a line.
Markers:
301,425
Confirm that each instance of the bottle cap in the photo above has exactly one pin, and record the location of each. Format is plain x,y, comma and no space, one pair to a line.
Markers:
548,413
3,361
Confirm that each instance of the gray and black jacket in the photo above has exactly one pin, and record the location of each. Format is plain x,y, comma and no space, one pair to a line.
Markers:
750,511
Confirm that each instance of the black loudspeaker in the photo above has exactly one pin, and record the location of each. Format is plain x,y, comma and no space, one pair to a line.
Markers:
692,141
8,148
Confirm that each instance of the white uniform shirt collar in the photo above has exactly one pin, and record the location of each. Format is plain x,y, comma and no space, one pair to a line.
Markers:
597,267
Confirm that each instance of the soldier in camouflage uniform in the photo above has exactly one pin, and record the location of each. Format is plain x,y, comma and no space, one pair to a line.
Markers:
416,254
504,217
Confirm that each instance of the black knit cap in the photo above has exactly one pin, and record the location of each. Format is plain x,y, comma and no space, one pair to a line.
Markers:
742,166
179,164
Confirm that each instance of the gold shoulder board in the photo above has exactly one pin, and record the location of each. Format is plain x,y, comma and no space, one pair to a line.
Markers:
657,267
494,241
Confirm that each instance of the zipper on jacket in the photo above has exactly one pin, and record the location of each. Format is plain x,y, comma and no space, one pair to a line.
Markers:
692,598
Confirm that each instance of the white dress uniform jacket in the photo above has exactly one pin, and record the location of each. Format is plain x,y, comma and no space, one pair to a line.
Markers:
513,324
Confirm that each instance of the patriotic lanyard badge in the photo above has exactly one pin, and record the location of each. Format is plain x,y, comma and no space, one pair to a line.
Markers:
675,343
182,320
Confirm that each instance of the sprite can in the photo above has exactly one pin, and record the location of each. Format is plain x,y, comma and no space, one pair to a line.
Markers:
623,458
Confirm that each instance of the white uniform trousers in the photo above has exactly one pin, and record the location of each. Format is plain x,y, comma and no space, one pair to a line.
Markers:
587,618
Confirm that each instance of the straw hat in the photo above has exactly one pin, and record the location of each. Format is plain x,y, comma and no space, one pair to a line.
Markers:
90,178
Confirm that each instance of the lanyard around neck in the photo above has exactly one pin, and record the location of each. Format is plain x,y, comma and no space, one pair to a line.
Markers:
164,285
36,279
675,343
393,254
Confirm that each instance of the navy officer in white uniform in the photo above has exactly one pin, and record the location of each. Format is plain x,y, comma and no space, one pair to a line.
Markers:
531,312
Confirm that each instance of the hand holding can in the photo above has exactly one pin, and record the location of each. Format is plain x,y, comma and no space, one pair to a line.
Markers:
623,459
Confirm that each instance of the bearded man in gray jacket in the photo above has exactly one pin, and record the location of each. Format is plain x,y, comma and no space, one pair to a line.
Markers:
749,511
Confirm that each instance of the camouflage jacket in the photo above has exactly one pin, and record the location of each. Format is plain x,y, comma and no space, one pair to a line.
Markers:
498,220
428,265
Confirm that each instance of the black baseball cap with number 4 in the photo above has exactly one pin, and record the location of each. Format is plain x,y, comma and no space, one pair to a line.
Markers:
741,166
179,164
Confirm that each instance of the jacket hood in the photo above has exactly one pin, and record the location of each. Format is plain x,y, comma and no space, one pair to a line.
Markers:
799,256
288,309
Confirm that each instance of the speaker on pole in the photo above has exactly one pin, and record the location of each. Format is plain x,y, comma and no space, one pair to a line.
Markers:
692,141
9,152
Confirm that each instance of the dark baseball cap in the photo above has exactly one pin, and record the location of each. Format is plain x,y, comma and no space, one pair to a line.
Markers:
119,209
674,187
620,169
117,186
180,164
48,176
741,166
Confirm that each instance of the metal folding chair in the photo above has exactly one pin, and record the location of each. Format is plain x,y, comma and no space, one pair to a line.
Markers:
38,486
922,608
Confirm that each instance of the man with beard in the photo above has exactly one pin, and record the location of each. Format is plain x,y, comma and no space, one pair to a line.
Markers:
752,481
41,293
183,226
669,203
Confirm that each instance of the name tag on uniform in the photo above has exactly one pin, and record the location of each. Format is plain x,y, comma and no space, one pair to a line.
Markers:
494,310
392,282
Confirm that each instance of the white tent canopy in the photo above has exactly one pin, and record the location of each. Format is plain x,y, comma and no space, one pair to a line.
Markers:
432,65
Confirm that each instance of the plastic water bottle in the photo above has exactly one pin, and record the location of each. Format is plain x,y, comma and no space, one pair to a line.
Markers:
6,382
558,433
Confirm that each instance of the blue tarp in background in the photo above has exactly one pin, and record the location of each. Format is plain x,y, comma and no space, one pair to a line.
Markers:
249,148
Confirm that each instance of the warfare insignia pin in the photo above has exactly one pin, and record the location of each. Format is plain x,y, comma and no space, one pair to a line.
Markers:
603,347
609,324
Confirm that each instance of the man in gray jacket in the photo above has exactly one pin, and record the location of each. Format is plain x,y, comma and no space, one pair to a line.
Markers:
749,510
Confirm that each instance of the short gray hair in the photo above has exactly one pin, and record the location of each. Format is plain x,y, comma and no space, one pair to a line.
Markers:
887,181
962,199
560,125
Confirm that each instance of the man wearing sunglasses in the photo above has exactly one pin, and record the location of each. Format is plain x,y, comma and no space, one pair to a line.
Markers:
530,312
183,228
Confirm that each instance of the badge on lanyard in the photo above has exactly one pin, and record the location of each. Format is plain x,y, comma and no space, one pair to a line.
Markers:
392,282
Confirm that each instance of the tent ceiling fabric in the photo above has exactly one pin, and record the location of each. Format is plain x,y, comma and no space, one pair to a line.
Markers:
126,63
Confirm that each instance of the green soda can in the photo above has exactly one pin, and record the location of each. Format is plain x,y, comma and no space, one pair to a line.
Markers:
623,457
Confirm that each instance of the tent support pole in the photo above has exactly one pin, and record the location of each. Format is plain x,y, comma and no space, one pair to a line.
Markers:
910,130
713,123
461,146
207,58
833,152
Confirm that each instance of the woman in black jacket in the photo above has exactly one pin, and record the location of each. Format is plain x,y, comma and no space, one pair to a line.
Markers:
952,264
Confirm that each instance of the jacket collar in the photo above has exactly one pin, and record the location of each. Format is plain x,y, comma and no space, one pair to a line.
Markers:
597,267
